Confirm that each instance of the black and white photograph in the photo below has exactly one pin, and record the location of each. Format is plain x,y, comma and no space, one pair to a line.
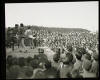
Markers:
52,40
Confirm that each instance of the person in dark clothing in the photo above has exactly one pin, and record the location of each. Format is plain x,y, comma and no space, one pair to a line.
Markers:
21,61
8,38
66,65
9,60
28,72
16,30
49,71
75,74
14,72
42,57
95,64
34,63
21,36
12,38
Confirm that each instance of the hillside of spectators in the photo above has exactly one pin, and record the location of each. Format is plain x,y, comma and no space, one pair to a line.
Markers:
77,54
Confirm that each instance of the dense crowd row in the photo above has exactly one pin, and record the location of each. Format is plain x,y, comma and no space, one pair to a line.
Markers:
68,64
76,56
54,39
57,39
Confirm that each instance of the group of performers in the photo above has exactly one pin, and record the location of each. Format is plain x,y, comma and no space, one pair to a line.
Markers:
18,35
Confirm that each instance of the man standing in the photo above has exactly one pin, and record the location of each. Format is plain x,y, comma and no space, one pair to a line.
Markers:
16,36
8,37
21,36
12,38
29,35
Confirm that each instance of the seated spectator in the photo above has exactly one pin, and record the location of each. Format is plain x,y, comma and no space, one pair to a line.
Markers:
78,63
89,50
42,57
66,65
28,60
56,59
69,48
14,61
36,57
34,63
14,71
21,61
95,64
50,72
9,60
86,57
39,71
39,74
28,72
81,50
86,70
75,74
47,65
95,56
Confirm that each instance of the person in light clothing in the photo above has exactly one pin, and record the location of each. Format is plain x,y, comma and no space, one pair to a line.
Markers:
30,37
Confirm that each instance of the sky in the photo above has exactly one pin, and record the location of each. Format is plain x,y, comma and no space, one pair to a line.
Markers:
55,14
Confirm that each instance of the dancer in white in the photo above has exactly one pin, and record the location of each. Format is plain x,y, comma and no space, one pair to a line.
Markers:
30,37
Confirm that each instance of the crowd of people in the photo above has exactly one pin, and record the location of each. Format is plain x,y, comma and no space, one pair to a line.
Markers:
76,54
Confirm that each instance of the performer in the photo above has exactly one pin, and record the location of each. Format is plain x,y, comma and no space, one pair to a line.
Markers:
21,36
12,39
30,37
8,37
16,36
